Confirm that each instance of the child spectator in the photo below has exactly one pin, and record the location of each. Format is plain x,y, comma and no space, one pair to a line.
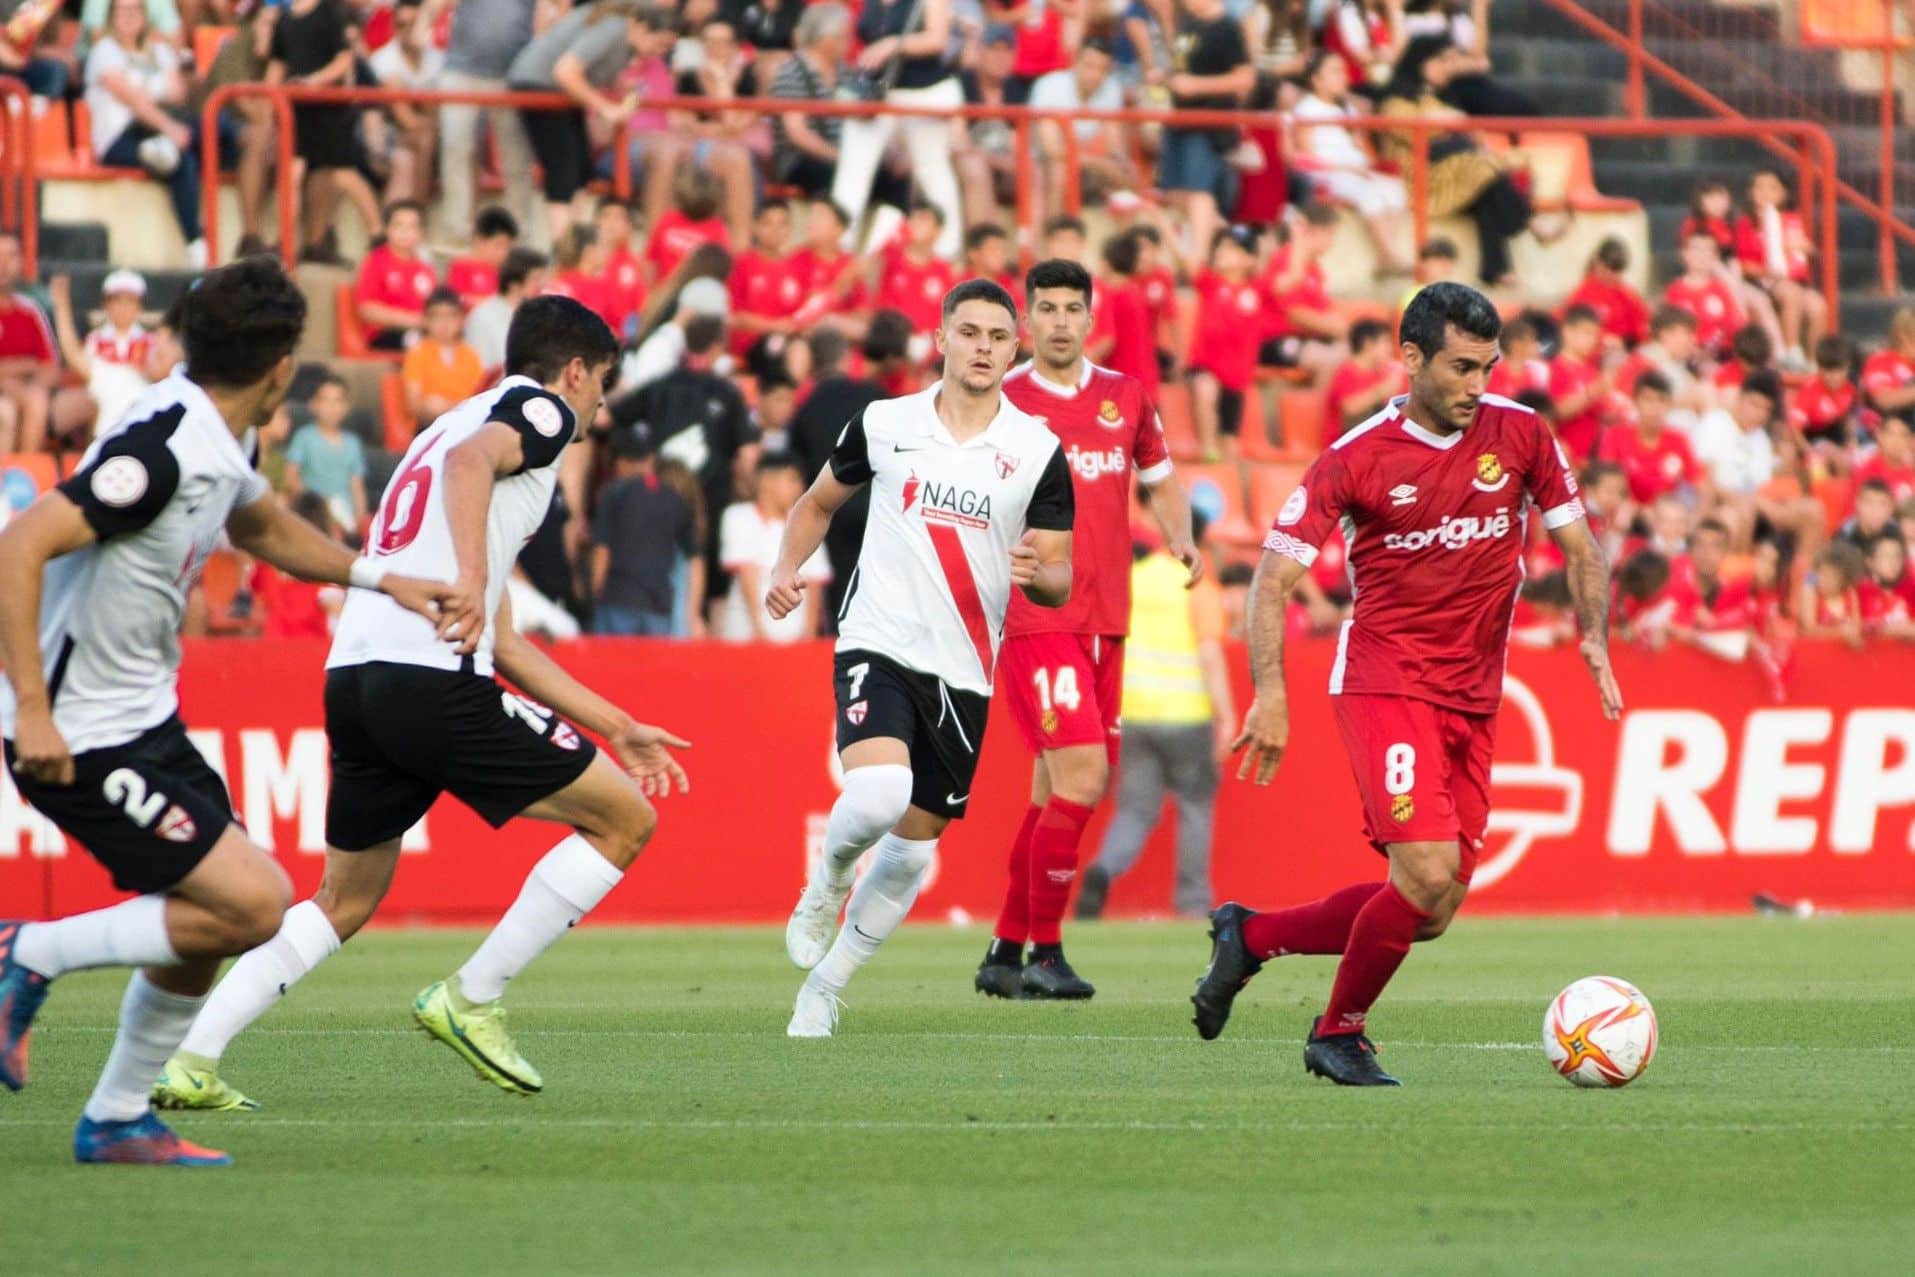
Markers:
1671,351
690,221
311,45
1123,328
1301,326
643,532
441,370
1656,460
748,539
1619,308
1159,283
1067,239
1772,246
1579,385
778,402
1824,407
1750,352
624,272
522,276
475,276
1886,594
1893,461
1365,382
1436,262
581,275
1735,444
1609,506
1704,293
912,278
327,459
1888,375
1708,602
394,280
1874,514
987,255
831,284
1523,367
119,359
1710,208
1223,346
292,608
765,293
1645,608
1830,603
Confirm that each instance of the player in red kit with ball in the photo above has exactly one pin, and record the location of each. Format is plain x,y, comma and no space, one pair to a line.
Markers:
1433,493
1061,668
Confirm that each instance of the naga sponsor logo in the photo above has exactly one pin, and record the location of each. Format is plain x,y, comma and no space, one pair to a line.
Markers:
947,503
1455,532
1091,466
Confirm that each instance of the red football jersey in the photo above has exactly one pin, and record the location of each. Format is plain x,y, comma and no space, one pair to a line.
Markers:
1124,315
827,285
1569,377
1437,529
1510,379
1752,246
915,289
1111,437
587,290
1881,606
1713,303
1350,380
391,280
1716,228
130,348
1160,293
1619,308
24,330
1230,322
474,281
1820,410
1308,292
625,285
1731,606
1900,479
1885,370
763,286
674,238
1652,468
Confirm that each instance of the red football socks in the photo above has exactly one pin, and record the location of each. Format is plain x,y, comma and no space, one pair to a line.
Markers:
1014,919
1322,926
1053,862
1380,938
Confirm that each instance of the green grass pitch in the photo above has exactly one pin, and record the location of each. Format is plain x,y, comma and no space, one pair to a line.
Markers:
681,1131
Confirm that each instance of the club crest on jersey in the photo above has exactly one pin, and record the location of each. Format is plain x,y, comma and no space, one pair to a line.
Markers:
1489,473
544,416
1294,506
1109,416
176,825
564,737
1049,722
1402,807
1006,465
854,713
119,482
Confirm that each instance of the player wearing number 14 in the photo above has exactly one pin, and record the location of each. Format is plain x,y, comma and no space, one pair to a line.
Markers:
1433,494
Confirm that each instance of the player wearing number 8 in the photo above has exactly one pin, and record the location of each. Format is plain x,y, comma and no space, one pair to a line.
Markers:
1433,494
413,710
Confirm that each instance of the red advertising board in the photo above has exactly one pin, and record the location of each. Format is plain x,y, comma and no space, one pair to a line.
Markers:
1708,791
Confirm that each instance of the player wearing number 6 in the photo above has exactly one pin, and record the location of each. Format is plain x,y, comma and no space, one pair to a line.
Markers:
1434,494
410,715
969,497
1062,669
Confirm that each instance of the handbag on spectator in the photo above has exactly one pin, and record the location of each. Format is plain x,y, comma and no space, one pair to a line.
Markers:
872,86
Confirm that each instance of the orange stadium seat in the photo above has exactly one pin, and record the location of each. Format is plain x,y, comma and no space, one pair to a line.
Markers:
220,583
1217,490
1173,410
1270,486
396,423
1564,177
349,335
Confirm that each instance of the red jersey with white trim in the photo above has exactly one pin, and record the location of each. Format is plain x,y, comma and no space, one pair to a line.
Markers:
1124,315
1436,526
1110,433
915,289
1883,371
763,286
473,280
391,280
1653,466
1900,479
1821,410
1713,303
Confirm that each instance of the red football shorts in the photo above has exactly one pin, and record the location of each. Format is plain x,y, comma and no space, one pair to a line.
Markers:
1422,770
1063,689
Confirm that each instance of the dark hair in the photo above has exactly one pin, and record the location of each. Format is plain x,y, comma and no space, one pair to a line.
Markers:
1518,329
613,201
697,193
925,206
828,348
1097,44
1653,379
978,290
1596,471
1845,557
443,296
1893,419
1642,575
397,207
981,234
1539,402
1612,253
837,210
1667,317
1064,222
887,336
779,460
1581,314
1320,213
656,17
328,378
1713,525
519,265
1752,345
1121,252
1406,78
549,332
1765,383
1706,186
1876,485
775,378
1150,233
237,322
494,221
1833,351
1443,306
1365,331
1313,66
312,507
1057,273
703,333
1439,248
770,202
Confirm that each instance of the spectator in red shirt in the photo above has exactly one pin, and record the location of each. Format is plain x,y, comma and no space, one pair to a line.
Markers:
1620,309
1123,333
624,273
1365,382
29,369
1066,238
1703,292
987,255
1159,282
1893,461
913,278
1772,246
1823,408
1886,594
1888,376
1874,514
1709,603
1302,328
1750,352
1672,351
1609,506
690,221
475,276
1656,459
394,280
1711,205
1523,367
1646,607
292,608
580,273
765,294
1223,346
830,281
1579,385
1829,603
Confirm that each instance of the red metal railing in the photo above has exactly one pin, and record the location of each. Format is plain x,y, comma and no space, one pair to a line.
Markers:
1724,43
19,195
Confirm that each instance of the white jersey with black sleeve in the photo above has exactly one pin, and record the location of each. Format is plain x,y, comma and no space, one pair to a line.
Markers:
933,578
157,489
412,534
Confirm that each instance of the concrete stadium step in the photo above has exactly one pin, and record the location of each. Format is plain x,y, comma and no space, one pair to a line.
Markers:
163,287
1569,95
1690,150
74,241
1547,56
1664,183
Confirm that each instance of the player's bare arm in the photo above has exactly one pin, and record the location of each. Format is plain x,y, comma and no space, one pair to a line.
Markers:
1041,566
266,530
643,750
805,530
470,471
1266,727
1588,574
1170,507
53,526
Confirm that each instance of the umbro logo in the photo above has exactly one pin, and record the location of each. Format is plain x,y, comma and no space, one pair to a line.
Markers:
1403,494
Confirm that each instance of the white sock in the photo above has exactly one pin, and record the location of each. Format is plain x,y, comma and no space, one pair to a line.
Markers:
884,895
874,799
563,887
129,934
261,978
152,1022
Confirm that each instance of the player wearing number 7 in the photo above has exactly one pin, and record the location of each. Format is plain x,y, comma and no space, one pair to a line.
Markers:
1434,494
969,498
410,716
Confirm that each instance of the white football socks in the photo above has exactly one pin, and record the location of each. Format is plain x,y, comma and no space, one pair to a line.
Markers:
884,896
563,887
152,1022
259,979
129,934
874,799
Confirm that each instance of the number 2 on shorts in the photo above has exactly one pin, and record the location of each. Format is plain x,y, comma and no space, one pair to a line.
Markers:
1399,768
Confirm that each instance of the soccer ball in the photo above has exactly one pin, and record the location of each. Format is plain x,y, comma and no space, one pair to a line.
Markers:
1600,1031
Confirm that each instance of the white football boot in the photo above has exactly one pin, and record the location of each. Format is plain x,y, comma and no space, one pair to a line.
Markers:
816,1013
813,922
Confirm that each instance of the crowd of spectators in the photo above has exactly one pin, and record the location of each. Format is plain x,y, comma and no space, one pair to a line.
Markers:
1750,472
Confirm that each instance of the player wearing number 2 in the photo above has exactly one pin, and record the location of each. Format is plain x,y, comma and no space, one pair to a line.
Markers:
1433,494
1062,668
410,716
969,497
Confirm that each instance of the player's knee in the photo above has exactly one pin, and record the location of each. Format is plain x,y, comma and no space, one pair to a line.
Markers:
875,798
1436,924
1425,880
1083,782
346,908
628,831
254,909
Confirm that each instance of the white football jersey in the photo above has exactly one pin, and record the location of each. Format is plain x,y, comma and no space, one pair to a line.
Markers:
157,488
934,575
411,534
